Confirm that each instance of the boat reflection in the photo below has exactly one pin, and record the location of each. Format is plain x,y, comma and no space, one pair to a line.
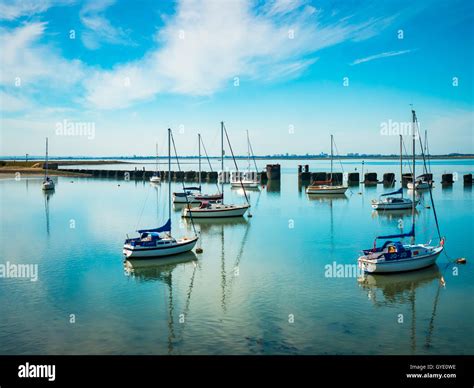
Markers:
157,269
393,214
396,289
162,270
327,197
47,197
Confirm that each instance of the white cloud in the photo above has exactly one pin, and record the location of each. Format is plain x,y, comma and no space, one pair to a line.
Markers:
11,103
24,59
15,9
99,29
205,45
381,55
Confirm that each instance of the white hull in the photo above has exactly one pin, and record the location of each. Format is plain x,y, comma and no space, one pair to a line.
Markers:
418,186
191,199
155,179
47,186
325,189
402,265
217,211
180,246
383,205
250,184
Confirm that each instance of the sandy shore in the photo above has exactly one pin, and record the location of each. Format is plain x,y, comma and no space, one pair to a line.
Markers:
27,171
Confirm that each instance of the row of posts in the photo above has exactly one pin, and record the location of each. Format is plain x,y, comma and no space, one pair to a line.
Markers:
371,178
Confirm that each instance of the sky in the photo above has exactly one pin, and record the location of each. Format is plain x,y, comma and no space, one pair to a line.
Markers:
109,77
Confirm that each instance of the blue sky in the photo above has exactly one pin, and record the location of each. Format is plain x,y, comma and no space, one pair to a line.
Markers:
290,71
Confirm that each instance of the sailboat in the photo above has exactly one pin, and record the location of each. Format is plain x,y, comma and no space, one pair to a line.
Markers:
217,210
326,187
247,180
193,194
158,242
394,256
387,201
156,178
424,181
48,183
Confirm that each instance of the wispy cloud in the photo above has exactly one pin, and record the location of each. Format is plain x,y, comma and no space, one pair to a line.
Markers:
204,46
14,9
381,55
99,28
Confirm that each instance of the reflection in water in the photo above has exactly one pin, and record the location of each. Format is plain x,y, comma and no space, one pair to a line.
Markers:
400,288
330,198
47,197
162,270
393,214
274,186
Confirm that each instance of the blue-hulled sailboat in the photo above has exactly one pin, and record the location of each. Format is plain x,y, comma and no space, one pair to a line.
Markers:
394,256
158,242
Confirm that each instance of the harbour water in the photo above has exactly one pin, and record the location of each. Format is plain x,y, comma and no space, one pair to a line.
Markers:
261,286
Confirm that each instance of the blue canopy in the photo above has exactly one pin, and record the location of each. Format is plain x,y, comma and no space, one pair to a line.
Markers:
399,191
409,234
193,188
165,228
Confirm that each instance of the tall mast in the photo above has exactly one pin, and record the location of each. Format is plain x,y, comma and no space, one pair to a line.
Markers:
413,178
222,160
401,164
169,173
248,150
331,158
199,147
156,159
46,164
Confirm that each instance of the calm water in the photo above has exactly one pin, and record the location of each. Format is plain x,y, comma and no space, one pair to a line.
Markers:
258,288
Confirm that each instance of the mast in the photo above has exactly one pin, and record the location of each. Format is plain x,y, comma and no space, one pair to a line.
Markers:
156,164
401,164
222,160
413,178
331,157
169,173
199,147
248,150
46,161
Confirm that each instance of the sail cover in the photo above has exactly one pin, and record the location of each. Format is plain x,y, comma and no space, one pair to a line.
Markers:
409,234
193,188
399,191
165,228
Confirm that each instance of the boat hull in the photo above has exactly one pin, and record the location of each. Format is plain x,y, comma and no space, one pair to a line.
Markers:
48,186
324,189
182,199
418,186
180,246
220,212
392,205
250,184
155,179
403,265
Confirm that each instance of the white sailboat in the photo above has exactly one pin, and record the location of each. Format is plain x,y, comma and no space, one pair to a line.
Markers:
193,194
249,179
217,210
387,201
48,183
156,178
326,187
158,242
394,256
